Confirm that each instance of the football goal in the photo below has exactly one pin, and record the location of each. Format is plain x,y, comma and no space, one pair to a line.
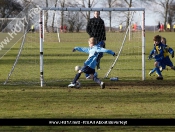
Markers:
46,56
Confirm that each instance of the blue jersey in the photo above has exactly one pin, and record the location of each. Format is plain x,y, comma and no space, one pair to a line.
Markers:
168,49
166,60
158,52
93,54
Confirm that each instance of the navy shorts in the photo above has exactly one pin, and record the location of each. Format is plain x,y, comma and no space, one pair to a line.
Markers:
88,70
166,62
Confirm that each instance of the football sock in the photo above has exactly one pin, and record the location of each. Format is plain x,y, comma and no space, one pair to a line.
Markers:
77,76
97,80
153,70
158,71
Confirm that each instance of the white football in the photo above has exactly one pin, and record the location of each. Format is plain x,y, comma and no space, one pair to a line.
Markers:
77,68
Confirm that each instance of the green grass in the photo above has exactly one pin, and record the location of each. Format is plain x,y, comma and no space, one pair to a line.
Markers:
125,98
88,102
128,100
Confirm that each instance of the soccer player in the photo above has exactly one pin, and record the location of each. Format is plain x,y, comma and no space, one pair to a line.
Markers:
100,44
158,53
96,28
91,62
166,60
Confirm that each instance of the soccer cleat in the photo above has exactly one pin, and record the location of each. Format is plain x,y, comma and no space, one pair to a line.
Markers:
159,78
71,85
150,73
102,85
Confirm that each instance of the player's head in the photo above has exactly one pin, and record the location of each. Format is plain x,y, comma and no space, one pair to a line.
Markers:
157,39
91,41
96,14
163,40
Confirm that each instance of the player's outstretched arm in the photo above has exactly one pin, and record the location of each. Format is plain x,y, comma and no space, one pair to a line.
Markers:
106,51
81,49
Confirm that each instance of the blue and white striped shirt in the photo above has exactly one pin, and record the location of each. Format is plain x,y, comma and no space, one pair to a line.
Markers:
93,54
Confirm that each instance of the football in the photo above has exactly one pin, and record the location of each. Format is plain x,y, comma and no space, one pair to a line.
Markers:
77,68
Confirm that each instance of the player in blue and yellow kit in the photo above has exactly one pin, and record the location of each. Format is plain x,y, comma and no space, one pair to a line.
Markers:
158,54
166,60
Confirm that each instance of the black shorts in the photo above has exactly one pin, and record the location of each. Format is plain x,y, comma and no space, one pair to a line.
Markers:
88,70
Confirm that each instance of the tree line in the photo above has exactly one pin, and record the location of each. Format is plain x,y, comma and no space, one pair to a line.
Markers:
78,20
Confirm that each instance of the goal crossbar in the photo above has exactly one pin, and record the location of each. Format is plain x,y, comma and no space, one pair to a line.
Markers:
93,9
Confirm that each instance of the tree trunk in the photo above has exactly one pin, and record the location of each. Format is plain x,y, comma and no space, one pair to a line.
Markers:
89,6
53,20
46,20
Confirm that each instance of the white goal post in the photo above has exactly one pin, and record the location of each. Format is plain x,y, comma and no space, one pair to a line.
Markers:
41,30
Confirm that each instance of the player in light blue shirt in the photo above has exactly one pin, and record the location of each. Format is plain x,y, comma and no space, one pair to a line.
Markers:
100,55
91,62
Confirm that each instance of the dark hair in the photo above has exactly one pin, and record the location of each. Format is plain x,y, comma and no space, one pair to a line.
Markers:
157,38
164,39
98,12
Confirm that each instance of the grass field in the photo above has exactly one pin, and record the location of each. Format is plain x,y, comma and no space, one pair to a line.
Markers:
122,99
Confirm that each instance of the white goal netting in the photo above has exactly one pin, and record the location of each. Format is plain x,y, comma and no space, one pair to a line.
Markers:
59,60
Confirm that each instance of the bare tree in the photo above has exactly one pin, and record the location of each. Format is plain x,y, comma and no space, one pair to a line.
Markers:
129,4
111,4
46,21
53,20
171,18
62,3
132,3
163,8
9,9
80,19
76,21
85,4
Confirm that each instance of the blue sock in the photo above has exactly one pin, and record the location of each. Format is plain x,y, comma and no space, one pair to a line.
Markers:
158,71
97,80
77,76
153,70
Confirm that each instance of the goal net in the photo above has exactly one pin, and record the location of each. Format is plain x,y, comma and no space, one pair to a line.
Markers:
46,56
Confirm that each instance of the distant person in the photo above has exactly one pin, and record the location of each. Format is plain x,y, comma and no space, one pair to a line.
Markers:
65,29
61,28
96,28
161,27
32,29
158,26
168,27
120,27
135,27
174,27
